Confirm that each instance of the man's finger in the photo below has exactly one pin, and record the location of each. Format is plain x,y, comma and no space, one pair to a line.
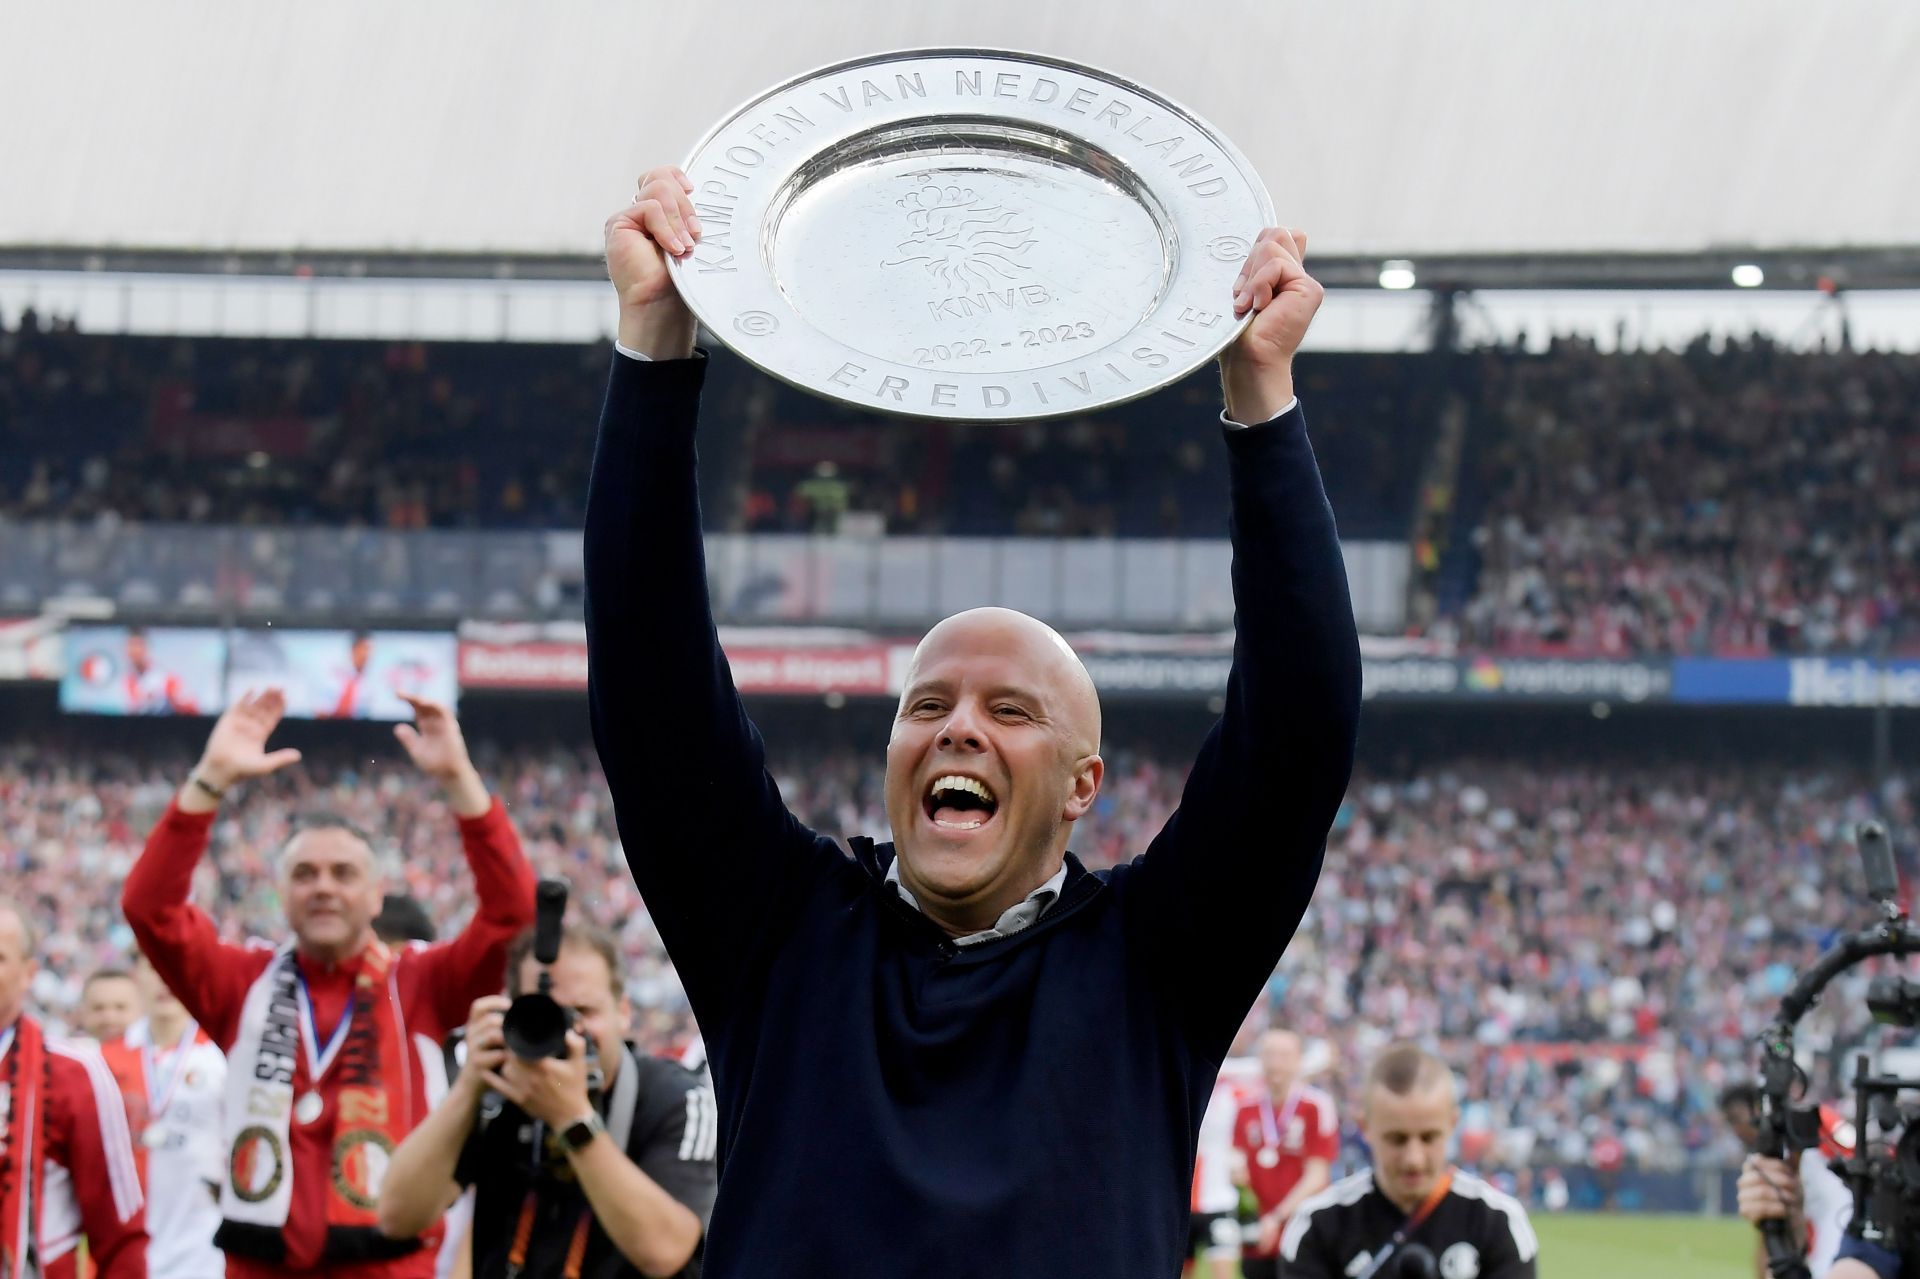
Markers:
280,759
1263,256
423,708
655,220
672,199
506,1088
670,171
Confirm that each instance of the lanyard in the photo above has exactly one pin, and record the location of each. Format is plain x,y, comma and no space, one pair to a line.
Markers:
6,1042
1410,1225
158,1097
1273,1129
318,1062
523,1234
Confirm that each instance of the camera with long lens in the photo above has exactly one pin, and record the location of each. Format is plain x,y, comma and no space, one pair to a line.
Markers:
1883,1171
536,1025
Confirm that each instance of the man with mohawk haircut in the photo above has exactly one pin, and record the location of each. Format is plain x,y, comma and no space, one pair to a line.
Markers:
902,1043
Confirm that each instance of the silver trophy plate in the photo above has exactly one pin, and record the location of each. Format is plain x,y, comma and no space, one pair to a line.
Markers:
970,234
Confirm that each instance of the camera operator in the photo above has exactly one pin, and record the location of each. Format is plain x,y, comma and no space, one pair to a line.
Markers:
1771,1188
1411,1214
596,1165
1825,1203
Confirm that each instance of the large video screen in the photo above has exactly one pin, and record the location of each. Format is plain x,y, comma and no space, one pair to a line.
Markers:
132,670
346,674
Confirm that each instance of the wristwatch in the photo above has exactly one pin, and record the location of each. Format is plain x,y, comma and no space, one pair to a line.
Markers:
579,1134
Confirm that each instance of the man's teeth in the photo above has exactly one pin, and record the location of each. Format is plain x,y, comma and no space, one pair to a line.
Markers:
967,784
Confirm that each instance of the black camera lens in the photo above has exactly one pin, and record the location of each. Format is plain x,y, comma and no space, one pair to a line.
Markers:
535,1027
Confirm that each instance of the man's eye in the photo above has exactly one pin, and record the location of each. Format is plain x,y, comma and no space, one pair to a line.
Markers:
1011,712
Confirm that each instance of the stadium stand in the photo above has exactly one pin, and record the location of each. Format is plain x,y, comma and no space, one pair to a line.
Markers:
1595,941
1734,502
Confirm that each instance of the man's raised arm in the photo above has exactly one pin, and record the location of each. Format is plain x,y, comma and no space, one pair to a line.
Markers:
714,851
1231,874
210,977
469,965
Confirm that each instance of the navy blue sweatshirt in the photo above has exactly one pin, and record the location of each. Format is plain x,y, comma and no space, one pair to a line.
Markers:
892,1105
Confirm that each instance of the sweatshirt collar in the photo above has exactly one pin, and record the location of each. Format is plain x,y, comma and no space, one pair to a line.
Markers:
1020,915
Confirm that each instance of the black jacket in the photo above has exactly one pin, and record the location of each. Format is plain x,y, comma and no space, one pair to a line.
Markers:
891,1105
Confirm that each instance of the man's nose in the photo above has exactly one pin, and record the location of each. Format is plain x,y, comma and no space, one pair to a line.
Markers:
961,731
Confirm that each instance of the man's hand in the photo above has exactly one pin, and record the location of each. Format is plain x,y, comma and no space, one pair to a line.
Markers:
486,1045
236,750
552,1089
660,221
1257,370
434,743
1270,1231
1769,1189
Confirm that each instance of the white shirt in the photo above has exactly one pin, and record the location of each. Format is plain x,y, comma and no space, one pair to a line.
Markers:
1239,1081
184,1157
1828,1207
1014,918
1230,424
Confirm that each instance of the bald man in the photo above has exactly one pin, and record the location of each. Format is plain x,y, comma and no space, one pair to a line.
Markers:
960,1052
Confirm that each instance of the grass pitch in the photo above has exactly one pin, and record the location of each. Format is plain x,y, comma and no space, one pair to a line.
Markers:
1641,1246
1636,1246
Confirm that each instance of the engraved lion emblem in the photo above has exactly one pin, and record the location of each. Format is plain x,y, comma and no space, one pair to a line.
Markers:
961,241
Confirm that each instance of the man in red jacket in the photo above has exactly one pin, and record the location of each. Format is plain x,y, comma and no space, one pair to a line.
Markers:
333,1041
66,1160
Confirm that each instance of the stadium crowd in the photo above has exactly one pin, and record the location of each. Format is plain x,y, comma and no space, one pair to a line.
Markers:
443,435
1594,947
1738,502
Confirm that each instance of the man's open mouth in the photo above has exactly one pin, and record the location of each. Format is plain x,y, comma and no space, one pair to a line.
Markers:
959,803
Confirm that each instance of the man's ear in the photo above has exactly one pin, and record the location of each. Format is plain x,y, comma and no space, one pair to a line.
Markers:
1086,784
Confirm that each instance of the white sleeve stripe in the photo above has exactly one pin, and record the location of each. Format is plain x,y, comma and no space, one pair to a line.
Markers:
1346,1191
123,1175
1296,1231
697,1140
690,1133
1525,1242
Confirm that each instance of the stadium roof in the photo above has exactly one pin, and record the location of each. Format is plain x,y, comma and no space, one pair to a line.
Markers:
1390,128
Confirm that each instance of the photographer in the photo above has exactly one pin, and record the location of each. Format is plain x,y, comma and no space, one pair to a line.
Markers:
1823,1202
598,1165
